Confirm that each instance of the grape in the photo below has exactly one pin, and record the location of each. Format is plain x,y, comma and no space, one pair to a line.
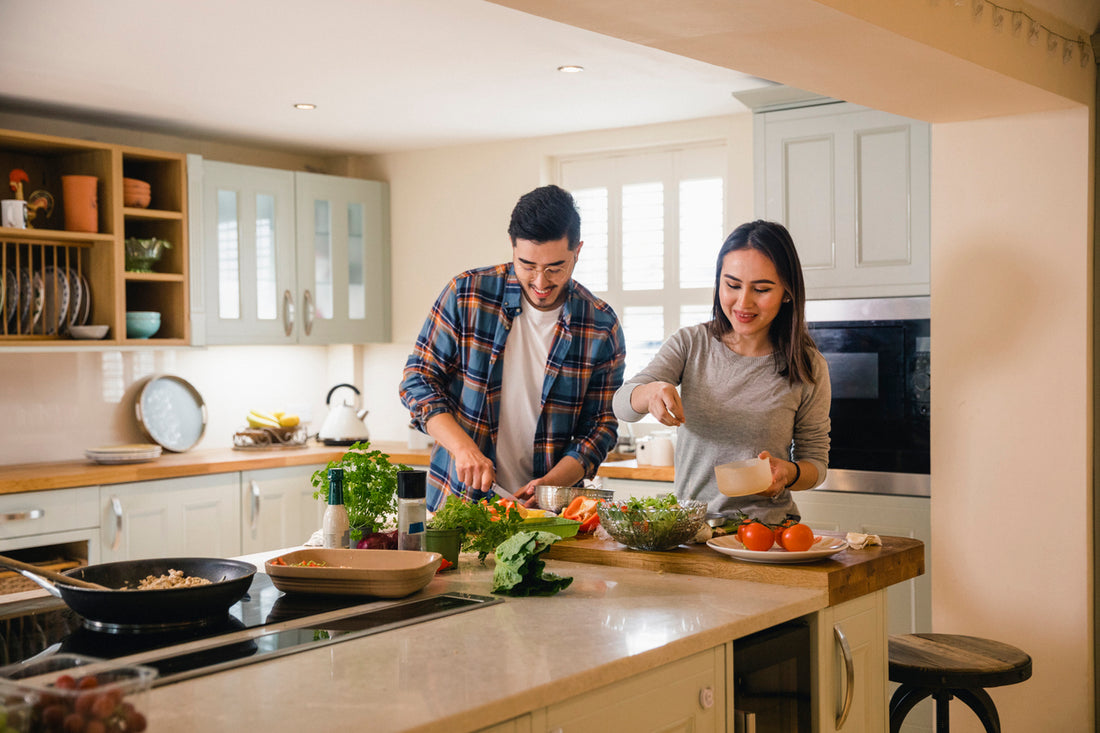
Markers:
74,723
103,706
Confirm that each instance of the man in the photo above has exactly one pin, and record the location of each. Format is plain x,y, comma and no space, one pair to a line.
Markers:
515,367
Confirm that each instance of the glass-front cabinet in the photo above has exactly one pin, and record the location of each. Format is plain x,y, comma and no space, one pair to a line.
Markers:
288,257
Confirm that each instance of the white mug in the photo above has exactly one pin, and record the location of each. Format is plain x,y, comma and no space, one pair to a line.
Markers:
13,213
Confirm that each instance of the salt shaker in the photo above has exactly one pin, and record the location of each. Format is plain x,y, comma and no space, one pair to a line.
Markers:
411,509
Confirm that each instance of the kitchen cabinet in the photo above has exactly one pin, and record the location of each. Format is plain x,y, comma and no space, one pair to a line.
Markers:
278,509
853,187
196,516
625,488
849,666
288,257
909,603
60,528
687,695
46,270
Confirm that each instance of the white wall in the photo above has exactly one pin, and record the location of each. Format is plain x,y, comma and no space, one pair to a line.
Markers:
450,209
55,405
1011,441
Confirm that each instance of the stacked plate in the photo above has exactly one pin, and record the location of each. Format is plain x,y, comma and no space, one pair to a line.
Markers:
136,193
132,453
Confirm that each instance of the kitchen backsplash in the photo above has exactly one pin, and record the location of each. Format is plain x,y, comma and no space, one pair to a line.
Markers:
57,404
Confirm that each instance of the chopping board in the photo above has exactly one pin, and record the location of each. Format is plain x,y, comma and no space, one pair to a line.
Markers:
847,575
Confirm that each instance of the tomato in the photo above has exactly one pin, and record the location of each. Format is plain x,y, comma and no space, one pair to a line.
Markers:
798,538
780,528
757,537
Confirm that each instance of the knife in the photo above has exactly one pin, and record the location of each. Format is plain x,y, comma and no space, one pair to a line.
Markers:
503,494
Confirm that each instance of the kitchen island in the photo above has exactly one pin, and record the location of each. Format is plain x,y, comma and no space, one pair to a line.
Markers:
657,644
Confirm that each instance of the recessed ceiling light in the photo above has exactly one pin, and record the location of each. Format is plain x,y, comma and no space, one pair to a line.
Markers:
305,105
570,69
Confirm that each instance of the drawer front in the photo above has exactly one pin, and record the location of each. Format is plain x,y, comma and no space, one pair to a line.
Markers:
39,512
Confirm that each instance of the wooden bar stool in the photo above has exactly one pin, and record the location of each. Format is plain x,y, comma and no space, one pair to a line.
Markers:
944,666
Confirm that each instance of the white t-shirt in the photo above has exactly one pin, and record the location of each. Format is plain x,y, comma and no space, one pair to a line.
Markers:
525,355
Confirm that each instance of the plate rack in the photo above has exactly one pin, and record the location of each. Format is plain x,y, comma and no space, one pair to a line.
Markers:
44,289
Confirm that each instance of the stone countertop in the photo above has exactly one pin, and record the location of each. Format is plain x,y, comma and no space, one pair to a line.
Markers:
479,668
44,476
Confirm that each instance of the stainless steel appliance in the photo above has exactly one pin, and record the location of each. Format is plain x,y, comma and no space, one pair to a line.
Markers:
879,355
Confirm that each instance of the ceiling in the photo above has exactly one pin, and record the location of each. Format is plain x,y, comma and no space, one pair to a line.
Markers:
385,75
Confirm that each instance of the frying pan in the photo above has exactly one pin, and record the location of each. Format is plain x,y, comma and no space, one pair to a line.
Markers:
142,610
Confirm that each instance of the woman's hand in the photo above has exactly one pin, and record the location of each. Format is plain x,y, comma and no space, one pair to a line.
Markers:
783,473
661,400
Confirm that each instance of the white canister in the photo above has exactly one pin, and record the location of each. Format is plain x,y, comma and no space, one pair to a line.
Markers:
654,450
13,213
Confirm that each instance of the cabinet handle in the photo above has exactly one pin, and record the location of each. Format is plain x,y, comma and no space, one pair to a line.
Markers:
706,698
19,516
849,675
255,505
288,313
307,311
116,507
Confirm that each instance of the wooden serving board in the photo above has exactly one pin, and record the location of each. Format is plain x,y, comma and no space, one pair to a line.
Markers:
848,574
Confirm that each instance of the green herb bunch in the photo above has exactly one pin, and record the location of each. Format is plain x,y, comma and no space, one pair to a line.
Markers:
370,487
484,524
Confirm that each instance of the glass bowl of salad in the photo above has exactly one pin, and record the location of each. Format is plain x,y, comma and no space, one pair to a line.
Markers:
652,523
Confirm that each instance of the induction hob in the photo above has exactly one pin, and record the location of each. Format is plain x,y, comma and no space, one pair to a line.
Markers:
265,624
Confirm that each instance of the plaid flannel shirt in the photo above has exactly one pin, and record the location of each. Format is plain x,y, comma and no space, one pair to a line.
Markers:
456,367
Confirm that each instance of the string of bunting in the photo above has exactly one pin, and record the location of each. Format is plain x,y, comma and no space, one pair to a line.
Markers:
1035,29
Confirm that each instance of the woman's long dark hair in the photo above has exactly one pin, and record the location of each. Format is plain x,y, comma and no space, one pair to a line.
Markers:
788,333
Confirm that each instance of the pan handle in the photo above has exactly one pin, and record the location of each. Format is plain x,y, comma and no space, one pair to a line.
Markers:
50,587
255,505
116,507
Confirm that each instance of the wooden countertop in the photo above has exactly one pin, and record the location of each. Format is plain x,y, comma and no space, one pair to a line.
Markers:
846,575
49,475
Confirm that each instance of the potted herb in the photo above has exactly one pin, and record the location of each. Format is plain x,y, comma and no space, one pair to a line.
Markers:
370,493
472,526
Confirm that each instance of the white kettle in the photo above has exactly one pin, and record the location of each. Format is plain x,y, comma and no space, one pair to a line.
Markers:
344,424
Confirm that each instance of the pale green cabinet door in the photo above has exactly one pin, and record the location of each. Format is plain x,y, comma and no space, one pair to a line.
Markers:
248,293
343,259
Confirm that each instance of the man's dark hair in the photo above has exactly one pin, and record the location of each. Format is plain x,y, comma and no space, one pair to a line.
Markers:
545,215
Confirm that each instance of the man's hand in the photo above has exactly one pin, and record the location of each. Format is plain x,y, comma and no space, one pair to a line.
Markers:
474,469
471,466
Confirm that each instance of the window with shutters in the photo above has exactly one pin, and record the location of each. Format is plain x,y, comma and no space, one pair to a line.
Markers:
652,222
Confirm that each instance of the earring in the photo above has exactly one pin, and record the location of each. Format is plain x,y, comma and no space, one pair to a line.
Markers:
786,300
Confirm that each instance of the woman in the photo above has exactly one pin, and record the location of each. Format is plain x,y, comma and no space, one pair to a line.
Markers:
751,381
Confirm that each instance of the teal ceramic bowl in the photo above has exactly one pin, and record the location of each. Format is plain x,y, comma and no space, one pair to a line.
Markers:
142,324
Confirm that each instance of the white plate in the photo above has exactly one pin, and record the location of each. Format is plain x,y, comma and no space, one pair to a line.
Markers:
76,302
86,306
822,548
56,298
115,454
88,332
171,412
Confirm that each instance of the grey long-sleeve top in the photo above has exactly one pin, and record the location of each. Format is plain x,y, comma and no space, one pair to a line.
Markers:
735,407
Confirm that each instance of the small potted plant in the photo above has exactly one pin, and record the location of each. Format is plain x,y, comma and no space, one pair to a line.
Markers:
470,526
370,494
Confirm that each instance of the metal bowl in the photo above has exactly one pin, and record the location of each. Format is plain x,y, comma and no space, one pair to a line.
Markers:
556,498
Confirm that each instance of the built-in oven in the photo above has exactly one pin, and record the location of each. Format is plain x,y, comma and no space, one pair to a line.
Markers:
879,356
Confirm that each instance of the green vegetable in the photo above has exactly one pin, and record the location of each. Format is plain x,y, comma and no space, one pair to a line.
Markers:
518,570
370,487
484,524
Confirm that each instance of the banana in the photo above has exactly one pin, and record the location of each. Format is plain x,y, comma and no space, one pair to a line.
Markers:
257,419
288,421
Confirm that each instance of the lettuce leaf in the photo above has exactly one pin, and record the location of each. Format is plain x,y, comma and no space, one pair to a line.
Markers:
519,570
